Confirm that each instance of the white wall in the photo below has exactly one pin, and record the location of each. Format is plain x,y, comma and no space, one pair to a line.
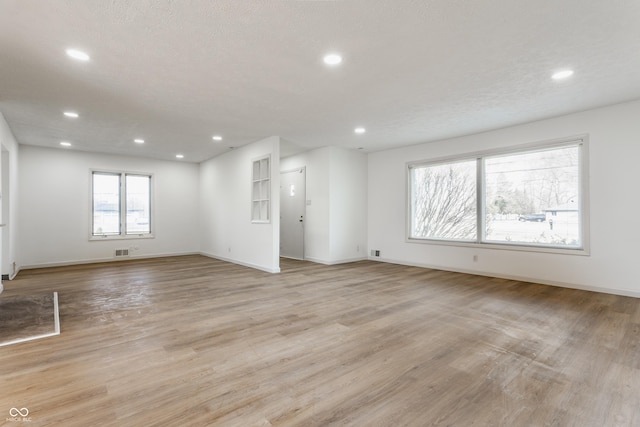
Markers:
10,216
54,206
348,210
225,208
335,225
614,204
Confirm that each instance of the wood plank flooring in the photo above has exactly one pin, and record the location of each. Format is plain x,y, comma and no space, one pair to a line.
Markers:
193,341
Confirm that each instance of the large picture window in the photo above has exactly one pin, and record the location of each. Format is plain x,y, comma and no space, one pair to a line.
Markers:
528,197
121,204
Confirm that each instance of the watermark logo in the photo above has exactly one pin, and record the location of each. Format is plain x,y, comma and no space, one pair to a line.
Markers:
19,415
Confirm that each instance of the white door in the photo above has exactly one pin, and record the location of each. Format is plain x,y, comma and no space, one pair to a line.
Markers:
292,211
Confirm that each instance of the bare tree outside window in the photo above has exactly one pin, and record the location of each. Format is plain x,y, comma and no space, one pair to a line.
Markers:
443,201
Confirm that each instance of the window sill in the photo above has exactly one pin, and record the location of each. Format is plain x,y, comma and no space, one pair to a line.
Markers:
522,247
105,237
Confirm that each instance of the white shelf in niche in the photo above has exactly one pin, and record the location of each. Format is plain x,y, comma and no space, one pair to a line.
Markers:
261,190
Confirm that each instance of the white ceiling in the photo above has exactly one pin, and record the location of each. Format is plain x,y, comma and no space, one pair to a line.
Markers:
177,72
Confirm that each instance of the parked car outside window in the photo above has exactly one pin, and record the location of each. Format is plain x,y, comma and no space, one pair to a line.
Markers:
537,217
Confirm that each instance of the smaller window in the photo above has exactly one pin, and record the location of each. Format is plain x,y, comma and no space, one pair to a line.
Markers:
261,190
138,203
106,204
121,204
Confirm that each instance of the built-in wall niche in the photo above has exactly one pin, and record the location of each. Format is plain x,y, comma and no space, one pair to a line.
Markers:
261,190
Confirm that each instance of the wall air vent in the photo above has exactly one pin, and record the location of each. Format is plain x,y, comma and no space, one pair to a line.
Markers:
122,252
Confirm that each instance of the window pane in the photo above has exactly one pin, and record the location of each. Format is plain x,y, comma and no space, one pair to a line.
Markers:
533,197
106,204
443,201
138,192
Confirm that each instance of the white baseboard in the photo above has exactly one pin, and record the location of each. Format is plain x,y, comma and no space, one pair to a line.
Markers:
242,263
13,274
101,260
621,292
340,261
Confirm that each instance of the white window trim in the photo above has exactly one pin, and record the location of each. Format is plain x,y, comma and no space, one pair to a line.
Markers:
583,250
107,237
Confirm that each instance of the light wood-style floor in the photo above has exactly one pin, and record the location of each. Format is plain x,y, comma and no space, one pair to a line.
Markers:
192,341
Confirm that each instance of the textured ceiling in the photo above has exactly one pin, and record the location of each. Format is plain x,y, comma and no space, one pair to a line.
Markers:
177,72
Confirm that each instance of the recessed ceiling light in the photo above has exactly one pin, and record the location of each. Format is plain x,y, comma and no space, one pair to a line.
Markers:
139,141
179,156
65,144
332,59
217,138
360,130
562,74
71,114
78,54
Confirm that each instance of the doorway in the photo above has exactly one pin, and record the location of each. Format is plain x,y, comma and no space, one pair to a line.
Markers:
292,213
5,252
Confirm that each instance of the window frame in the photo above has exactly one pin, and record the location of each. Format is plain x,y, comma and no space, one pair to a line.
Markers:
122,230
261,190
583,179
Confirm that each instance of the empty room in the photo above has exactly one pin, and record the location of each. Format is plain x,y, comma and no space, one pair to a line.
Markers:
319,213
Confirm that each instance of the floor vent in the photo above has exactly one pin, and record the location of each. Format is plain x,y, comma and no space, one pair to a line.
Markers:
122,252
